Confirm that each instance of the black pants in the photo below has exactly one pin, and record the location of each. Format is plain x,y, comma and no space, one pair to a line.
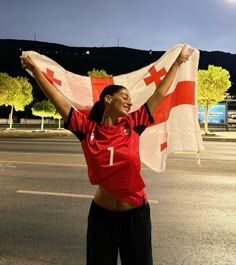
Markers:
127,232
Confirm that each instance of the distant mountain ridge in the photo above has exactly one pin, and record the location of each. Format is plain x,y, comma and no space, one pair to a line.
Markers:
115,60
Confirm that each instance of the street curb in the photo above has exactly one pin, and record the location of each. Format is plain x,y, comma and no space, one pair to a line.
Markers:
34,133
218,139
4,133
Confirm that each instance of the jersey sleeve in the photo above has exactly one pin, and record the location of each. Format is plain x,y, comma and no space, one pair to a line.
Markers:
78,124
141,119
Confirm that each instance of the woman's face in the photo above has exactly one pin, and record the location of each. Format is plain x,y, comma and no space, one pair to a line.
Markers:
120,103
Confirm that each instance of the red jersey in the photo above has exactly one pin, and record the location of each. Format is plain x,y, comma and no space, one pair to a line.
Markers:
112,152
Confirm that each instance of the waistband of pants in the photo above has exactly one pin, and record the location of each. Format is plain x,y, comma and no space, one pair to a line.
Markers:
128,211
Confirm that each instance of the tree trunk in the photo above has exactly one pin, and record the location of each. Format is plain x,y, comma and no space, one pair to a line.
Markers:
11,118
206,119
42,123
59,123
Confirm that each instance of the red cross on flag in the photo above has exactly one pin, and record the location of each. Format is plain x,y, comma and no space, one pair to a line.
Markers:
176,126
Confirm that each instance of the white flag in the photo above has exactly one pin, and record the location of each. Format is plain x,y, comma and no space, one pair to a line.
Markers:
176,125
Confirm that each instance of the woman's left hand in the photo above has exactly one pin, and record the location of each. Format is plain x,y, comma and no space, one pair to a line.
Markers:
184,54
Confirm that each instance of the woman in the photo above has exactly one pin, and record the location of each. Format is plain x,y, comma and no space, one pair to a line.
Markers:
119,216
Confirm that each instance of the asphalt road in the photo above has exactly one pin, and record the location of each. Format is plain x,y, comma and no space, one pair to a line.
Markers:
45,196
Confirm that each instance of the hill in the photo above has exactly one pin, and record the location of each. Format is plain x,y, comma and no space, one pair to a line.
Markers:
115,60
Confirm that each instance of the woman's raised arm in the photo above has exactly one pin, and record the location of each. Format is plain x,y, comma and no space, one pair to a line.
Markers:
161,90
61,105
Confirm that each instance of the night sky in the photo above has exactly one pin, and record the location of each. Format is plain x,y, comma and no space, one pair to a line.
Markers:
207,25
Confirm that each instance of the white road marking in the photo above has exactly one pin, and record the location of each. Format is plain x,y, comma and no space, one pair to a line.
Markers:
73,195
43,153
153,201
6,164
44,163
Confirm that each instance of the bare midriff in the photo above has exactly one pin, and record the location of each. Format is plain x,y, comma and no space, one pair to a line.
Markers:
109,202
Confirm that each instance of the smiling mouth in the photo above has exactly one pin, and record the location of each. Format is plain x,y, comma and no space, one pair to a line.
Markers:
127,109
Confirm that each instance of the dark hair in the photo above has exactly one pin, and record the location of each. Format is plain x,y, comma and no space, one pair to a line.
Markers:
97,110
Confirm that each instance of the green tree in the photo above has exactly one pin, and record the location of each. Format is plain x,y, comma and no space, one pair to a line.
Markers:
43,109
14,92
212,86
98,73
5,81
